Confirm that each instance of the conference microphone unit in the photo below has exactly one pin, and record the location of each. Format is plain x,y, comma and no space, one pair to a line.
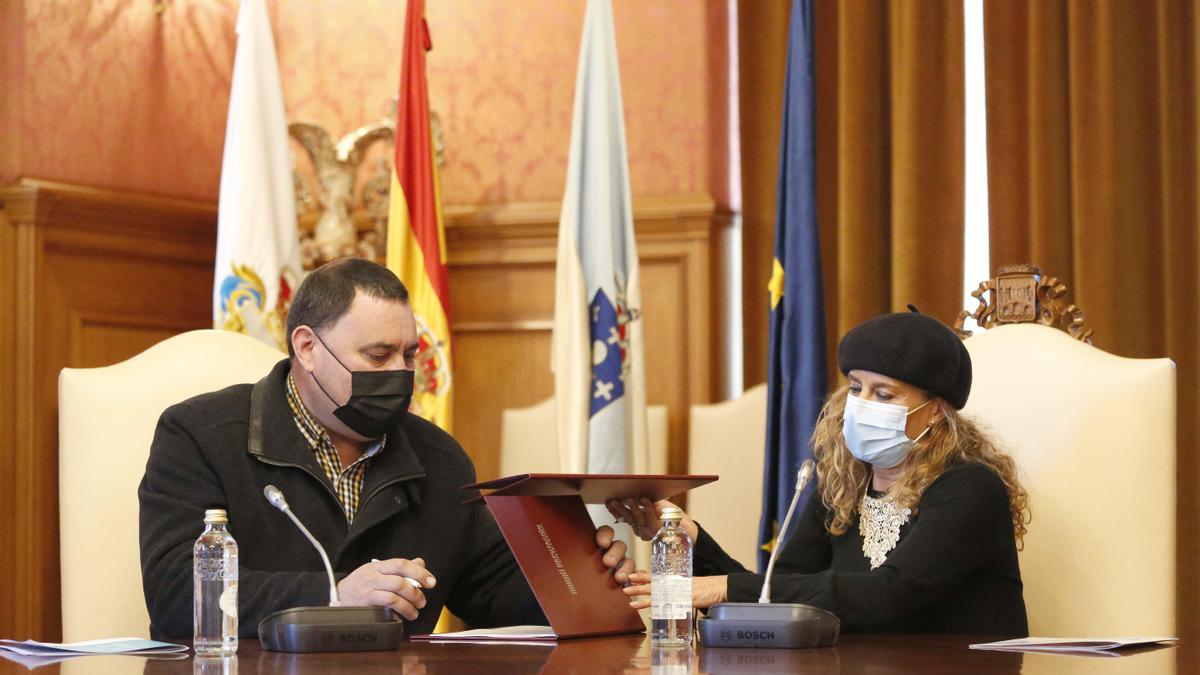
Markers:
326,629
764,624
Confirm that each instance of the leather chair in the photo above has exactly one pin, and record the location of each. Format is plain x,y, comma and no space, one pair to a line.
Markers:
1094,437
107,418
727,439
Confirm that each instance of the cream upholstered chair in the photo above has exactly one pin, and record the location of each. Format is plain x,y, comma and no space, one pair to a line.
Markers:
1094,437
107,418
727,439
529,440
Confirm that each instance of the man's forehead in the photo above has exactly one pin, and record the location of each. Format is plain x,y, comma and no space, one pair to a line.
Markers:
385,344
373,322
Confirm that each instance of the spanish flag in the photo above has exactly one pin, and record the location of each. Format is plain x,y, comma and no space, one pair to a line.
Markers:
416,241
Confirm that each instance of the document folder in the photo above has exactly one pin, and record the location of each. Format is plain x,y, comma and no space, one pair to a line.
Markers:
547,526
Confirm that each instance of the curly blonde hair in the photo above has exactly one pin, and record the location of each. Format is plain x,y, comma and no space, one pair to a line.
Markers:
952,440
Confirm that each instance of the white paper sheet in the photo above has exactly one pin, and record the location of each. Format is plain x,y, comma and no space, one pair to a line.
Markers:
1064,645
541,635
104,646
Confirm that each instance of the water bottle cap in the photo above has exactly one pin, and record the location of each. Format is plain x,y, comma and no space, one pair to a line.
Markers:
215,516
672,513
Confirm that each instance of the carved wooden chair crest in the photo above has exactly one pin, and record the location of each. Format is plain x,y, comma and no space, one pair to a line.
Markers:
1020,294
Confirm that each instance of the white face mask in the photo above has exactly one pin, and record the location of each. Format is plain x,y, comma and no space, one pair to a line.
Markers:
874,431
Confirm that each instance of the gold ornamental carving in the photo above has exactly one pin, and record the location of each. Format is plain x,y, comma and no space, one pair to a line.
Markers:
1020,294
343,187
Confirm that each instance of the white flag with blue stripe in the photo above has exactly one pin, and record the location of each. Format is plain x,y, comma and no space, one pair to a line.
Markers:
599,372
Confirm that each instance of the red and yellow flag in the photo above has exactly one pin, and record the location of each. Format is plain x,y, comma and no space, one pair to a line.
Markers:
416,242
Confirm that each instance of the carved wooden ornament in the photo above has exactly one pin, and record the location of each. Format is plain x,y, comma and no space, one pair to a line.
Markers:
1020,294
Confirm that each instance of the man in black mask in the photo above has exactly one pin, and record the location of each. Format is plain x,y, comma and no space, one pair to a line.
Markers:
380,488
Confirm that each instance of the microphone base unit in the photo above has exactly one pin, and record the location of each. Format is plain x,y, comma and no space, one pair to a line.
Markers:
331,629
768,625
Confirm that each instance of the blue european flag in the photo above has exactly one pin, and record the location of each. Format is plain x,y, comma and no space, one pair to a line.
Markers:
796,376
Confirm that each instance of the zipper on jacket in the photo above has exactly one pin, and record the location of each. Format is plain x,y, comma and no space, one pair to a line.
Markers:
381,486
306,470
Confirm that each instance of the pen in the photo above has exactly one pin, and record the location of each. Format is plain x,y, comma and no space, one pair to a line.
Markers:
412,582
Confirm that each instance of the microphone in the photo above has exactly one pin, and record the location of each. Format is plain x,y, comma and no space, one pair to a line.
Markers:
326,629
767,624
802,478
275,496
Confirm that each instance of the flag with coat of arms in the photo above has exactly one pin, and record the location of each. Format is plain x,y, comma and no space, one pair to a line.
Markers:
416,240
597,359
258,248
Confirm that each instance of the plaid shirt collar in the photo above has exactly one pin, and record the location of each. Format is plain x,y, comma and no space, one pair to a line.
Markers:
347,481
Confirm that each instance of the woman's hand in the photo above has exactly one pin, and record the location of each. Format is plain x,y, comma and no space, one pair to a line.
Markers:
644,516
706,591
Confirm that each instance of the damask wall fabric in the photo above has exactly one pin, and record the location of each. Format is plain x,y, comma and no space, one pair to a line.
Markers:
501,79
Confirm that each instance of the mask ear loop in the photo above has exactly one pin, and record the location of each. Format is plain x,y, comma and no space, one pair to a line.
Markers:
927,426
335,358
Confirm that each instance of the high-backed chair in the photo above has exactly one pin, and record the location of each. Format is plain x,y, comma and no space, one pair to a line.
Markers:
107,418
1094,437
529,440
727,439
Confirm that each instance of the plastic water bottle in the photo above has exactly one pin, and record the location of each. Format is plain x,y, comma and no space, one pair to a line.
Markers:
215,579
671,583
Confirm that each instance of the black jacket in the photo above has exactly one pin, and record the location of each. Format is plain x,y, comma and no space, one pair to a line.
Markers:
219,450
954,569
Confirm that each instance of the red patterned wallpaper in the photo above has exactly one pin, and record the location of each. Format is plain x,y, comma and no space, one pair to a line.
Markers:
12,74
115,95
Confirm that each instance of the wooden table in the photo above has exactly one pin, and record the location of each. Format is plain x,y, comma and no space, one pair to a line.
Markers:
875,654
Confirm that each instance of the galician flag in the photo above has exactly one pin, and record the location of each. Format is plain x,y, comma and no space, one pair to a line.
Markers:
597,358
258,247
416,241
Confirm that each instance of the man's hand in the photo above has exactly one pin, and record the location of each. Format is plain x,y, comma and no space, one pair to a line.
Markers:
643,516
614,556
386,583
706,591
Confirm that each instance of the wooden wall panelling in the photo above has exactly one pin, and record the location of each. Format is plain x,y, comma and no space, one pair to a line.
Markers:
12,249
100,276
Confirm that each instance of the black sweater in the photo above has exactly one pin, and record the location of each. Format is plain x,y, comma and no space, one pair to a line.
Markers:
954,570
219,450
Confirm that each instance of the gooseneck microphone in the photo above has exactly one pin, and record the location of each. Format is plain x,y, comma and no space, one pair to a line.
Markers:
326,629
767,624
275,496
802,477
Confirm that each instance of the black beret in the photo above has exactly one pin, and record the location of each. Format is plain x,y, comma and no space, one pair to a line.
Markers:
914,348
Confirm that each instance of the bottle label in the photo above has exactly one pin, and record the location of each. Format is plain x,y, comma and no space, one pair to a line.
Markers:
670,596
228,601
229,595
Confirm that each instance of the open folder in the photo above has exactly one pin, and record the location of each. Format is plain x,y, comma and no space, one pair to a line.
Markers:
547,526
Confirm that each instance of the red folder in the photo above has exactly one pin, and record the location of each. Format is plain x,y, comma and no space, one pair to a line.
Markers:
547,526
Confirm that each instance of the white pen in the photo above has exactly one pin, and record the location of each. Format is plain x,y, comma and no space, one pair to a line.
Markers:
412,582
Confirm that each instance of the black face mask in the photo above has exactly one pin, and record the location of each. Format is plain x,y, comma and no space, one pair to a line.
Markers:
377,398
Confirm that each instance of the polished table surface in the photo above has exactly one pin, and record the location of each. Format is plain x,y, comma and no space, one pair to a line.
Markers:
853,654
